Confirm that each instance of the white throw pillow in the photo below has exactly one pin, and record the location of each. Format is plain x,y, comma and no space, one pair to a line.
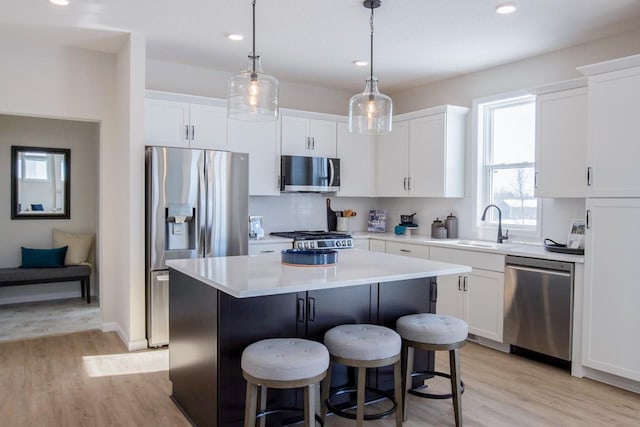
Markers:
79,245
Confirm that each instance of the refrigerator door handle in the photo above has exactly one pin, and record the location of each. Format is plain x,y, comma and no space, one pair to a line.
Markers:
202,211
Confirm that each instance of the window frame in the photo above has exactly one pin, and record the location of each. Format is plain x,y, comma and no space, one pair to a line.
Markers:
482,168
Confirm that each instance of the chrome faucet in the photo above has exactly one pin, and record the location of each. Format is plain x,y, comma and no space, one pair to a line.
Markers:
500,236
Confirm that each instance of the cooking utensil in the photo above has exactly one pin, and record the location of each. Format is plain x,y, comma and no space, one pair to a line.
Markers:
407,219
332,217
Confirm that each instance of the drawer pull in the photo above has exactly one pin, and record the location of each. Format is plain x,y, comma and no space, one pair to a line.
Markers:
405,250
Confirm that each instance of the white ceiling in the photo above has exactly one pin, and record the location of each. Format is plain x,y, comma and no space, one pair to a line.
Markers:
315,42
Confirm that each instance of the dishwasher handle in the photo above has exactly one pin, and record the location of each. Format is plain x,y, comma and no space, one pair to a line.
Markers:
539,270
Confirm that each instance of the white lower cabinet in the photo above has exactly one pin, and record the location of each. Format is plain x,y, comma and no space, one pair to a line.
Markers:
476,297
267,248
407,249
611,319
361,244
377,245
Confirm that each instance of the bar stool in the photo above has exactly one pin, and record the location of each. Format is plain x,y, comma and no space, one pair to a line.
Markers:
433,332
282,363
362,347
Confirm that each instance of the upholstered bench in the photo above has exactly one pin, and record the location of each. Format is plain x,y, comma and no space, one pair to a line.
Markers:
30,276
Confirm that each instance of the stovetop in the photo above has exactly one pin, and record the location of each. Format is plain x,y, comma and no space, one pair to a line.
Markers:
317,239
311,235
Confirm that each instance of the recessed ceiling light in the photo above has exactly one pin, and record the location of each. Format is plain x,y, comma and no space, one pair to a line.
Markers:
360,63
235,37
506,8
59,2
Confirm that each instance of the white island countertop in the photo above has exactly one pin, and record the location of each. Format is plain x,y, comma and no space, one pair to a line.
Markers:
259,275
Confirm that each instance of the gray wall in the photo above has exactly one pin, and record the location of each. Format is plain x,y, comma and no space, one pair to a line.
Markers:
82,138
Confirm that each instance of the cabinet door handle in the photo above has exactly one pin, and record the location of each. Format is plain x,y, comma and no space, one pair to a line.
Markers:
193,132
313,143
311,309
589,176
300,310
535,179
588,219
405,250
409,183
459,283
405,184
434,290
186,132
464,281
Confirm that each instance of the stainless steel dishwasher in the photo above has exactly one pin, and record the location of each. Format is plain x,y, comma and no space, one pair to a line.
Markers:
538,305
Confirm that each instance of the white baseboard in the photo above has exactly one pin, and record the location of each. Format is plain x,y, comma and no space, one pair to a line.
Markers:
39,297
131,345
611,379
505,348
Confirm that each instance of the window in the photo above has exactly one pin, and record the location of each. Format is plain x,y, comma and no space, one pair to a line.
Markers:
506,131
34,166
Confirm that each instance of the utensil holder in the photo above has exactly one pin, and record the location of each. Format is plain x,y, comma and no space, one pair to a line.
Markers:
343,224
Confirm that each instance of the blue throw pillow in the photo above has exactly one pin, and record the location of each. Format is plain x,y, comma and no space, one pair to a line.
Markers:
37,207
43,258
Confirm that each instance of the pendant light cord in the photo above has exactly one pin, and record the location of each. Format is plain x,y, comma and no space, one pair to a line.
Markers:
253,53
371,26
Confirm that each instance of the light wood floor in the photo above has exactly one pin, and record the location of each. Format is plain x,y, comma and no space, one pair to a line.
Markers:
70,380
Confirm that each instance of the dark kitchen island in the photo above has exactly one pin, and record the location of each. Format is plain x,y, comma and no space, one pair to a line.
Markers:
218,306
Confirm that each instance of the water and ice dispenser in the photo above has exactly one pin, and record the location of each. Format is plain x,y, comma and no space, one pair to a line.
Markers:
180,227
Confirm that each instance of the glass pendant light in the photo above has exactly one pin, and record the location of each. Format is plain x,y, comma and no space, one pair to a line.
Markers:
253,95
370,111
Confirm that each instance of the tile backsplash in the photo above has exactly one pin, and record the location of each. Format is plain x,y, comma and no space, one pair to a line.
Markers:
307,211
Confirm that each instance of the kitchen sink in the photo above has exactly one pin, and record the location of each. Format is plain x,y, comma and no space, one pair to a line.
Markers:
476,244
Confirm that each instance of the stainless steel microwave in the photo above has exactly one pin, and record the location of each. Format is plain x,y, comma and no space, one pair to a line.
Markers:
309,174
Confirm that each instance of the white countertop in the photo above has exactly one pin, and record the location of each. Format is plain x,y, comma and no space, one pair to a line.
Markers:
258,275
532,251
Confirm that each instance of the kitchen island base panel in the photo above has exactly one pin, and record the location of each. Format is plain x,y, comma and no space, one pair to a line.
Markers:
209,329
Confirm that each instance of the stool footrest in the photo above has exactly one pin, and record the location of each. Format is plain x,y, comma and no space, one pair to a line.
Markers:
271,411
415,391
352,405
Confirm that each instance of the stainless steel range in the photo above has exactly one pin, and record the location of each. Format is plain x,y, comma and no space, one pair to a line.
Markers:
317,239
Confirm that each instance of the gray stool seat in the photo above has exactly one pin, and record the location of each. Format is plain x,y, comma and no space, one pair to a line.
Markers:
285,359
363,342
282,363
433,332
362,347
432,328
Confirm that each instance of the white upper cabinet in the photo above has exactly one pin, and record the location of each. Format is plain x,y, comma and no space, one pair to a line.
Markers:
355,152
260,140
561,140
166,123
303,136
173,123
423,156
614,128
392,161
208,127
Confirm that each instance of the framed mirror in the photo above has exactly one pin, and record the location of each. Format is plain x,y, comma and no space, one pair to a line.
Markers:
40,183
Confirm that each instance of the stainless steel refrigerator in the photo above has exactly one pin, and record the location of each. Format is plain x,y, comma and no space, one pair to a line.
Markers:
196,206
